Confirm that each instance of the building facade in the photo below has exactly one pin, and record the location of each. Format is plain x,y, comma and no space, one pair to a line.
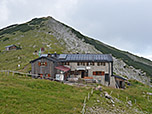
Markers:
44,67
98,67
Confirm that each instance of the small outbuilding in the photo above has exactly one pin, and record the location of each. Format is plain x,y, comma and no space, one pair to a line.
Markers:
120,81
11,47
62,73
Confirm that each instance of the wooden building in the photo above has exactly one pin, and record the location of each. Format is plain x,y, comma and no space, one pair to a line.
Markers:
120,81
44,67
11,47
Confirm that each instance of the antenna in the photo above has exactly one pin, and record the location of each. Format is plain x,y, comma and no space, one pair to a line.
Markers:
40,52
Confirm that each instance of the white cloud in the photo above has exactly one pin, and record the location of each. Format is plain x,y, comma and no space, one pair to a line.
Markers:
145,56
17,11
126,24
4,11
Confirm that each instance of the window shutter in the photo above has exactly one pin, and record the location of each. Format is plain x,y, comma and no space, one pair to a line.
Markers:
94,73
102,73
49,75
45,63
39,63
97,73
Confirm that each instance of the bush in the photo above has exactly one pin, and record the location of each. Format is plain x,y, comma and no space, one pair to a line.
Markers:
36,21
22,28
5,39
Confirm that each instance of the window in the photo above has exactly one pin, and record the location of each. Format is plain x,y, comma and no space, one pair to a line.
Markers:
94,73
87,63
99,73
98,64
66,63
76,73
101,64
83,63
71,72
42,63
78,63
49,75
102,73
92,63
41,75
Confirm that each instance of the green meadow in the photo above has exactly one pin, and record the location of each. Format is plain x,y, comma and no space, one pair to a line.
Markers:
20,95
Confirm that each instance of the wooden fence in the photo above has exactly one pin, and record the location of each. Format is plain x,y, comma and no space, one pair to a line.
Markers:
85,100
7,72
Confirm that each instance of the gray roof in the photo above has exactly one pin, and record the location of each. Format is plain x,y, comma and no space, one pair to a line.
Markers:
78,58
48,58
43,55
119,77
10,46
86,57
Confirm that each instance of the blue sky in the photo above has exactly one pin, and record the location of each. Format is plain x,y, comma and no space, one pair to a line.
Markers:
125,24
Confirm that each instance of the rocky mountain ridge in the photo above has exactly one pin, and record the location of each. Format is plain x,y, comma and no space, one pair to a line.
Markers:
74,44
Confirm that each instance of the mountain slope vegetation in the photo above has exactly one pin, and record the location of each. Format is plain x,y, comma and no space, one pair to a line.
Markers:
20,94
135,99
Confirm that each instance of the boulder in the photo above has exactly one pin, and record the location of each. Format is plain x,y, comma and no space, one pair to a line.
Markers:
112,101
98,88
107,95
130,103
149,93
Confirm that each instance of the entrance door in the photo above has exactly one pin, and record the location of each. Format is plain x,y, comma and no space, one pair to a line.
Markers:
107,78
82,74
42,71
120,84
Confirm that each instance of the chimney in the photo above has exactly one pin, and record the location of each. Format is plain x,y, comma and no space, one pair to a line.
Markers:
49,55
55,55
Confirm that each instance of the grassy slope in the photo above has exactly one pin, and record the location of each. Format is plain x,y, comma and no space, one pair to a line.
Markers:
136,91
29,41
20,95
